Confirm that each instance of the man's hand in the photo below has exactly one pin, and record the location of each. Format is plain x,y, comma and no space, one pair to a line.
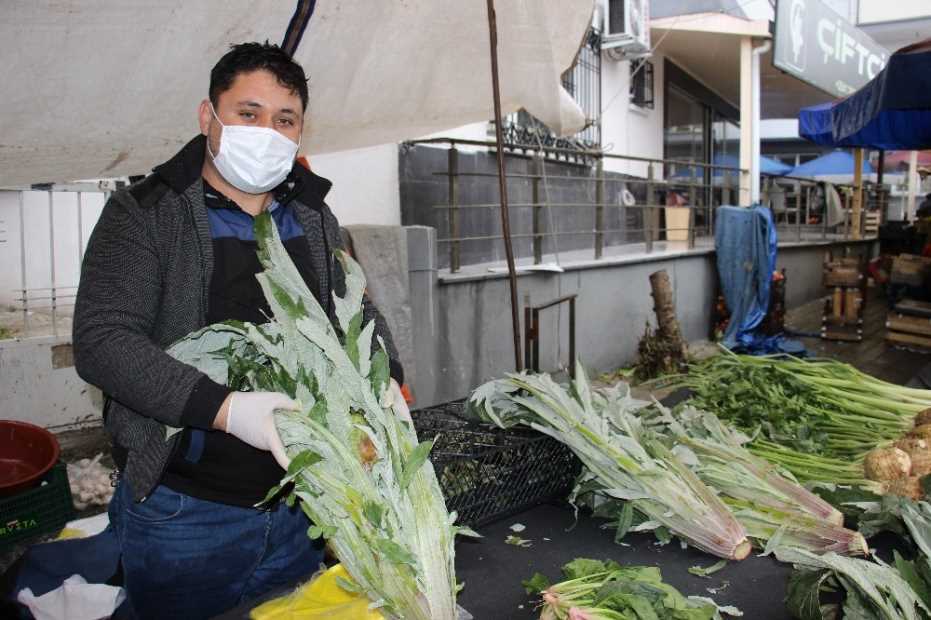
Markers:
248,417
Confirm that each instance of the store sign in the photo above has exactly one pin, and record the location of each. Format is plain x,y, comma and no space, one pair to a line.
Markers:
820,47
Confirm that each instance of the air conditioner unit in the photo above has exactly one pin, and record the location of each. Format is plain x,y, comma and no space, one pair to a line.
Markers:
626,27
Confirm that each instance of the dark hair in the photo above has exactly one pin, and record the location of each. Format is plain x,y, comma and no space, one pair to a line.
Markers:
248,57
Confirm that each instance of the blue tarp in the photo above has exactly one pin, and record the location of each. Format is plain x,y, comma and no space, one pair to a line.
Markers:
891,112
833,163
745,245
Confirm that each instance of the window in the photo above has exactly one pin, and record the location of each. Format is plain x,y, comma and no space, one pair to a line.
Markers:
583,83
641,83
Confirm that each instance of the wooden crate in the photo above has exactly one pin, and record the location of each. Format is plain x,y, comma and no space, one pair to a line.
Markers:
910,269
843,314
871,222
846,271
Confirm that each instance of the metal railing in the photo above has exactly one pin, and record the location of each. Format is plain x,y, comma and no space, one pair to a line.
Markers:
47,310
532,331
663,190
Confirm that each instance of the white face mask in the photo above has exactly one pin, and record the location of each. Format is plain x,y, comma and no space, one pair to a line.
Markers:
253,159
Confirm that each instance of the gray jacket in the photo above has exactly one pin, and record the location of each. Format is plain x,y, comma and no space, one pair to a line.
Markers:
145,284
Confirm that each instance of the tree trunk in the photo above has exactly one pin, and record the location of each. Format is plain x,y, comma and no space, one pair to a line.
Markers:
667,325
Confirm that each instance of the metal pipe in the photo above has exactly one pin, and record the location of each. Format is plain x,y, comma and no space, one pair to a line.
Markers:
599,210
648,215
535,357
22,260
80,234
528,333
579,153
537,213
502,184
572,359
51,245
452,161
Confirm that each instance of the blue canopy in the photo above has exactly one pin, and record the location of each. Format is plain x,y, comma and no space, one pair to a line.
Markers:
768,165
833,163
891,112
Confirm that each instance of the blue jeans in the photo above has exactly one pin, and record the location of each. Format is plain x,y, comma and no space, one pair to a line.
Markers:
188,558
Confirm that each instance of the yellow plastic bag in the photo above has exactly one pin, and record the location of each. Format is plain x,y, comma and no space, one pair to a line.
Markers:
319,599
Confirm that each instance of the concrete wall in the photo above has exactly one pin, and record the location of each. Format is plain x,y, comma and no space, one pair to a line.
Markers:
365,184
38,384
627,129
463,334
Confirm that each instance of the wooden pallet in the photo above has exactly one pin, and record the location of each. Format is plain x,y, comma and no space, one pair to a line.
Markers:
920,326
914,308
847,333
909,340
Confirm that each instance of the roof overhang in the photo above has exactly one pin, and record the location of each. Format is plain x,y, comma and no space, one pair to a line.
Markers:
707,45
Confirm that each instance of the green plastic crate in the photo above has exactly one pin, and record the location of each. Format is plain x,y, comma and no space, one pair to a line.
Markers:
36,511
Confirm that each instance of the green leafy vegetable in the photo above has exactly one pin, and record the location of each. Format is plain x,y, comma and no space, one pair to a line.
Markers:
357,468
596,590
624,460
873,589
817,418
517,541
766,500
705,571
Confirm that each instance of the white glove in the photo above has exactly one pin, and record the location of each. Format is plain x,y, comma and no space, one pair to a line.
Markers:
251,420
398,401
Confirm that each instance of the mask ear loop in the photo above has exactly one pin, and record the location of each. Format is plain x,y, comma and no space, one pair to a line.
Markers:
214,112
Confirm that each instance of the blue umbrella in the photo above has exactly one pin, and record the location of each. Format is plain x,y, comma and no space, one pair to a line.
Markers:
891,112
834,163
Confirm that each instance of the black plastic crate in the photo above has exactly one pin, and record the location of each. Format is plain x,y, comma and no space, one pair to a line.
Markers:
487,473
39,510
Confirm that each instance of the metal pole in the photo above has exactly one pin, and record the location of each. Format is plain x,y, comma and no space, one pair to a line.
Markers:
571,336
599,209
528,333
649,210
857,193
535,363
51,247
80,235
807,202
798,210
537,209
502,184
690,233
452,161
22,259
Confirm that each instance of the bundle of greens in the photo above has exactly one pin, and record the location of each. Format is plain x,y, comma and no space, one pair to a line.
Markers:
772,507
596,590
871,589
816,418
356,467
625,460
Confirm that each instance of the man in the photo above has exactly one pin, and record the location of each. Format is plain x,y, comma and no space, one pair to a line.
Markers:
171,254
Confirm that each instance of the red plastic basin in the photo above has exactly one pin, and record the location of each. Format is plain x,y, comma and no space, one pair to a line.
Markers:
27,452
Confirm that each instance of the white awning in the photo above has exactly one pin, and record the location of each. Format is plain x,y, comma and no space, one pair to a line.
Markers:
107,88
